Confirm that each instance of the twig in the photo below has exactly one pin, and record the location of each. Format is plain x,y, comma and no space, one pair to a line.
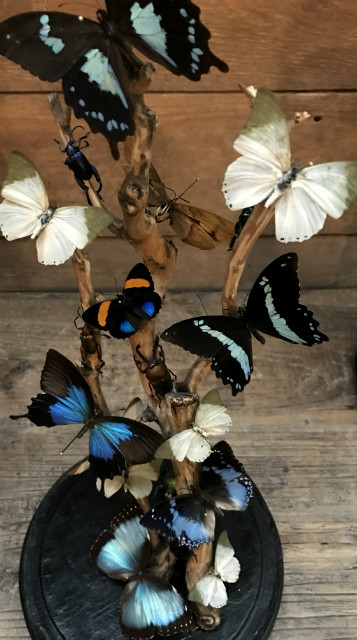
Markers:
92,362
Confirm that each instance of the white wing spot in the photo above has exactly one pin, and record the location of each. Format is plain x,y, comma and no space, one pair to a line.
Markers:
56,44
100,71
81,102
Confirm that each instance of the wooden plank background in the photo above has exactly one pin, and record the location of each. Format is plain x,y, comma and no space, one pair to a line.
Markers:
306,52
295,425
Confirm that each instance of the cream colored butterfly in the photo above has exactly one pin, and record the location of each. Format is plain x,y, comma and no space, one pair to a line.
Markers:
137,479
302,197
210,590
27,211
211,419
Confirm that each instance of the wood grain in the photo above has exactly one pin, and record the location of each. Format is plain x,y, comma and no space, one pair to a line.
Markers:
294,429
296,47
28,126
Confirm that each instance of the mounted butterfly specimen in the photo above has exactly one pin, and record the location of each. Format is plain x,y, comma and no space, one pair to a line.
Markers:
302,197
193,225
77,162
27,211
67,399
273,307
124,315
190,519
95,62
149,605
211,420
210,589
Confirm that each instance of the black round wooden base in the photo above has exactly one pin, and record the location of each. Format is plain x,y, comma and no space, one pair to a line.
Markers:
65,598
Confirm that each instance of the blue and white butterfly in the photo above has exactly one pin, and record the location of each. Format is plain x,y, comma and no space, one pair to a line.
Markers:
210,589
148,604
113,442
302,197
190,519
27,211
95,62
273,307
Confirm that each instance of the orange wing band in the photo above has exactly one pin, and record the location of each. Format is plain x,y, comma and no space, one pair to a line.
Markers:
103,313
136,283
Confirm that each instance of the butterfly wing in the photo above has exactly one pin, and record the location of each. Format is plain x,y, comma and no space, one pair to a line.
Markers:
68,229
198,227
187,444
317,191
273,305
151,606
170,34
247,182
116,442
210,590
225,562
124,548
186,519
226,340
211,416
67,398
224,480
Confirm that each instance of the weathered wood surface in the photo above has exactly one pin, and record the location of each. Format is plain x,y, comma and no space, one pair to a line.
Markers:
294,428
194,138
293,46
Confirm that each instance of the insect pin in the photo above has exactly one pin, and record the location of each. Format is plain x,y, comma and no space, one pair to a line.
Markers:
77,162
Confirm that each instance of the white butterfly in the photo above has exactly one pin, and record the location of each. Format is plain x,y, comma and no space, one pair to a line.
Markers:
303,197
137,479
211,419
27,211
210,590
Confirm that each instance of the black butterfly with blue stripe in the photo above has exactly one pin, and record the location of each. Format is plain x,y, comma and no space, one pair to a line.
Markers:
190,519
113,442
95,62
124,315
148,604
273,308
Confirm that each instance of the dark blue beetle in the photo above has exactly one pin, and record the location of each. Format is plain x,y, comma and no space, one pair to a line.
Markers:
78,163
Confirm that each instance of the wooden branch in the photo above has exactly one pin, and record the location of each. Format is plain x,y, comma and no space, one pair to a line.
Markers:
140,226
91,352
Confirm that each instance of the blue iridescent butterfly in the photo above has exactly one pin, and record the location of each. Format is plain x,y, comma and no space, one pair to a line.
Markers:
113,442
94,59
124,315
273,307
190,519
148,604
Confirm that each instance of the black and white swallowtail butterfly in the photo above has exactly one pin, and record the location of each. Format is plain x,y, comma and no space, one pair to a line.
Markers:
273,307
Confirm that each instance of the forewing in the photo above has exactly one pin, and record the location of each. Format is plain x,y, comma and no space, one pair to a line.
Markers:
119,551
170,34
332,186
210,590
211,416
224,480
248,181
185,519
97,89
117,442
273,305
17,221
46,43
151,606
265,136
23,185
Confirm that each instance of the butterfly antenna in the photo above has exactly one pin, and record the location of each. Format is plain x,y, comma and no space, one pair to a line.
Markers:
79,435
200,299
189,187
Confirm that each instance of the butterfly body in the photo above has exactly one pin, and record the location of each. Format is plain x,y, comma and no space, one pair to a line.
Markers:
125,314
113,442
273,308
148,604
302,197
190,519
94,59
